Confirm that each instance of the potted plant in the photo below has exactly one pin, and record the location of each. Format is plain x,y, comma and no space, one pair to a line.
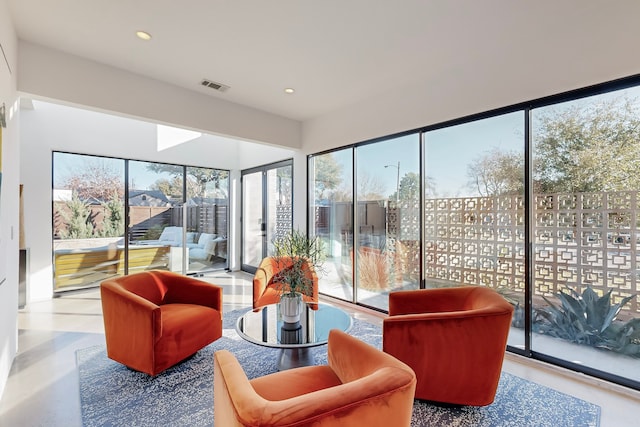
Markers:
299,258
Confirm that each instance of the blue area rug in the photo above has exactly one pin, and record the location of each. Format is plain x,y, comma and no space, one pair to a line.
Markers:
113,395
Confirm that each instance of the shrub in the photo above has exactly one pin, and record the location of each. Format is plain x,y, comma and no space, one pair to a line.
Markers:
590,319
374,270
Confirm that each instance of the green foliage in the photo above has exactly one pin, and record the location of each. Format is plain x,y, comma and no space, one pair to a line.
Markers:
294,254
172,187
584,146
409,188
588,146
113,222
78,220
328,174
589,319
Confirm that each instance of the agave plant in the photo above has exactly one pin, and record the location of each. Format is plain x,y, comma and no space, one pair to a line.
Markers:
589,319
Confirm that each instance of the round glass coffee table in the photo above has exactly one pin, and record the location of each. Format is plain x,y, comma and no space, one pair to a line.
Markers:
265,327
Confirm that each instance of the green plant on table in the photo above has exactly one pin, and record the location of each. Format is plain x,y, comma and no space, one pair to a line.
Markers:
297,256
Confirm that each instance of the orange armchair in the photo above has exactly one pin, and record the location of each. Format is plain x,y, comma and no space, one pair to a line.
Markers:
453,338
266,291
361,386
155,319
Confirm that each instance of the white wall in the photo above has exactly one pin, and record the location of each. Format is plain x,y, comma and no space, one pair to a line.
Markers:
64,77
9,202
51,127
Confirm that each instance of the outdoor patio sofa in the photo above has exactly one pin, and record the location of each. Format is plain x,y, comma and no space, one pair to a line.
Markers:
202,246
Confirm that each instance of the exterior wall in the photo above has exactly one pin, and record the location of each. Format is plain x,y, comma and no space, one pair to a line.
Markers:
9,203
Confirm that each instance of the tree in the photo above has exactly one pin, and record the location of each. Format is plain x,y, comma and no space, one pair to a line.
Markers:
497,172
173,187
96,179
197,178
328,174
370,187
284,182
77,218
113,222
409,188
588,147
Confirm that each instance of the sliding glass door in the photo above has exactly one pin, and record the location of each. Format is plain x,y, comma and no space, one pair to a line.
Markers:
539,202
155,230
267,210
88,219
176,218
207,212
586,232
375,248
331,219
474,209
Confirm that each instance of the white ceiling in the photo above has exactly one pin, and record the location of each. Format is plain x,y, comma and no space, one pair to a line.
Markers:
335,53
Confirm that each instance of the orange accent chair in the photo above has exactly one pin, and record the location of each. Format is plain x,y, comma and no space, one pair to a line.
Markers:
361,386
266,291
453,338
155,319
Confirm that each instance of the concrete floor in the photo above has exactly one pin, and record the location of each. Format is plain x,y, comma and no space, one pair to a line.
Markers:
42,389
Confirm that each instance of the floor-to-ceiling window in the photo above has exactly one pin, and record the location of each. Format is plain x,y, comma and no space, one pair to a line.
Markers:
387,255
586,222
267,210
375,248
156,200
538,201
88,219
207,216
161,216
331,219
474,209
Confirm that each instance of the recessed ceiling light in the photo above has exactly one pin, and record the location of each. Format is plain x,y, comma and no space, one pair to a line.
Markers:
143,35
289,90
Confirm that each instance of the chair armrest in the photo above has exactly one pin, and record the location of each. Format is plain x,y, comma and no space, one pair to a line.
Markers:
130,318
383,398
187,290
261,279
352,403
233,393
351,358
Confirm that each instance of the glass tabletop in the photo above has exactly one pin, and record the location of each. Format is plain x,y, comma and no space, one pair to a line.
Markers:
266,327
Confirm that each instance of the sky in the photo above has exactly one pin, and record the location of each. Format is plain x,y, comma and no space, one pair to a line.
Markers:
448,153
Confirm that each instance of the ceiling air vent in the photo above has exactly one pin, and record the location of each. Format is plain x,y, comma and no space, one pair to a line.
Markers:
213,85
